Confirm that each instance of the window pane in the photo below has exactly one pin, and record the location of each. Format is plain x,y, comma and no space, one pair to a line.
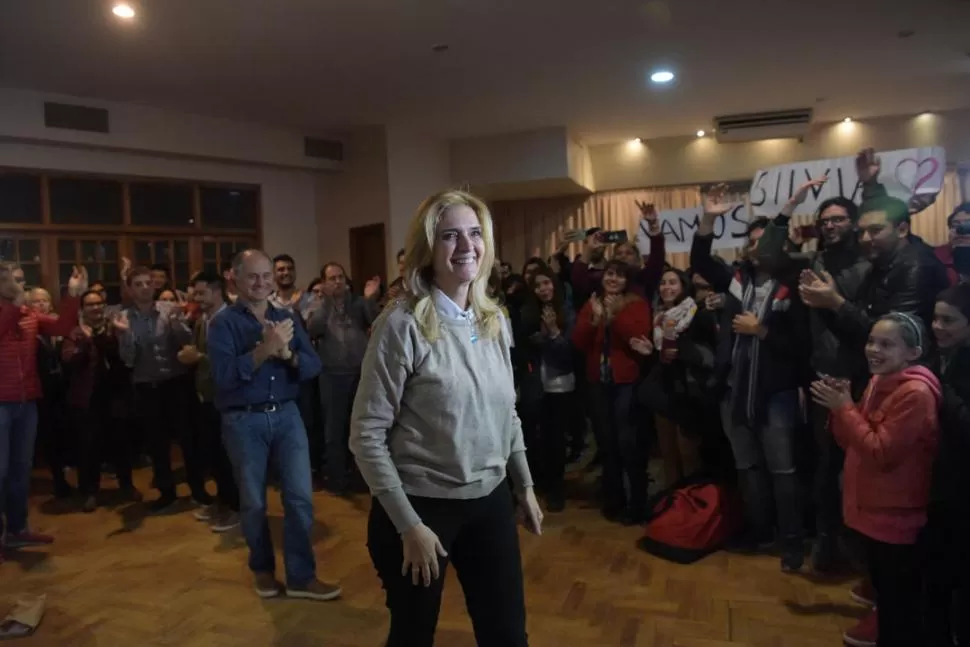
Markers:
224,208
210,267
160,250
8,249
76,201
64,271
32,276
94,271
161,204
65,250
29,250
209,251
89,250
110,272
143,252
109,250
181,250
20,198
181,275
226,252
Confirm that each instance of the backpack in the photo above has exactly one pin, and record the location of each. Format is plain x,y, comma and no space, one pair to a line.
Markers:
691,520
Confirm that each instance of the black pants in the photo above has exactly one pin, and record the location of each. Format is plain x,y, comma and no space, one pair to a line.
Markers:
559,413
897,576
828,466
212,455
482,543
53,437
948,575
165,411
623,446
337,392
101,437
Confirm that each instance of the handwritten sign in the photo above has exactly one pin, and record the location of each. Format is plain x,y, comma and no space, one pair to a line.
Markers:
905,173
678,227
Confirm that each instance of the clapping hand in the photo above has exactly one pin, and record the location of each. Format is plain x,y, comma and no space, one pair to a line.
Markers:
78,283
277,336
818,291
831,393
120,322
550,321
596,305
641,345
372,288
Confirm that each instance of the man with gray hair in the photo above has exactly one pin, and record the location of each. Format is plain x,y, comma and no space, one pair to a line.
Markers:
20,389
259,356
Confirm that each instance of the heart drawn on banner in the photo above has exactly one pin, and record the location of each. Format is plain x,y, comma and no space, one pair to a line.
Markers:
914,174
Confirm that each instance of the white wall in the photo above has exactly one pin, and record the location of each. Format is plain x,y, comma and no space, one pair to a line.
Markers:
689,160
356,196
145,129
418,165
289,223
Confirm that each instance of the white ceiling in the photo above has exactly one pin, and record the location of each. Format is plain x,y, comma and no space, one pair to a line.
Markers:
512,64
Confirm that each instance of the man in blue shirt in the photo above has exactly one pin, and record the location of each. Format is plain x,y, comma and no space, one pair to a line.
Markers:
259,356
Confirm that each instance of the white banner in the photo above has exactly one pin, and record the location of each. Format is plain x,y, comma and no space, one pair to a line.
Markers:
678,227
907,172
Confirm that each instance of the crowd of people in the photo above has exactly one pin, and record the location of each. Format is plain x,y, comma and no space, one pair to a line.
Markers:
831,386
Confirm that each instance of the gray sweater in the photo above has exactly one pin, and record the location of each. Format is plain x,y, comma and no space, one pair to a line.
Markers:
435,420
340,334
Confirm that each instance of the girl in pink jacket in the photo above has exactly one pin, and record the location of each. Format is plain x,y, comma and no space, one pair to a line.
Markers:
890,441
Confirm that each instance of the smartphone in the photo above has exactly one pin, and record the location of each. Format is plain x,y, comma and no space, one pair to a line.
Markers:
611,237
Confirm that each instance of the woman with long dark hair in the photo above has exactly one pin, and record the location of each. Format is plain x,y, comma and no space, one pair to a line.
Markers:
678,388
606,324
547,323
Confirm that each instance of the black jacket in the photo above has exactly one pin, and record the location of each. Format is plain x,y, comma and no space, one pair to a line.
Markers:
951,478
784,351
908,282
688,382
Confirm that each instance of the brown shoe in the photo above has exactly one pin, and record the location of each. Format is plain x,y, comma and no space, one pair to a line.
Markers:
315,590
266,585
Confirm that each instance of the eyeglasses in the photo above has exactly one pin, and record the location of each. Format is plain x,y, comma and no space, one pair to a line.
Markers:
835,220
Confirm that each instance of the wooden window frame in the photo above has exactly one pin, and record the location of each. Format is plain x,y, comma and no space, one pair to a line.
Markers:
126,235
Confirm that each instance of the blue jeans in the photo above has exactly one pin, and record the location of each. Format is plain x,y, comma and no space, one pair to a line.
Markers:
765,457
18,433
252,441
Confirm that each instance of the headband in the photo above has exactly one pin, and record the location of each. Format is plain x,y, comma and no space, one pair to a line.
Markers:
910,322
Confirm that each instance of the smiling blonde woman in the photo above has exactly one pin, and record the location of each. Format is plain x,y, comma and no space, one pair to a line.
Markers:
435,434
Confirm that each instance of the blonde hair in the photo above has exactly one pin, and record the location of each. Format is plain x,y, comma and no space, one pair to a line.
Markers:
419,265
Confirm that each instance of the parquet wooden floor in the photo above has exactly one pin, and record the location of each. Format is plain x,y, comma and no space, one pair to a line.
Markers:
117,579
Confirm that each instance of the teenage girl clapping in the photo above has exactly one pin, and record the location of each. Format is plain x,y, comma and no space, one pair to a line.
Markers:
890,441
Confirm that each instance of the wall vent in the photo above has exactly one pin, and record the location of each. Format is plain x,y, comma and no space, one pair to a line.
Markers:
328,149
763,125
71,117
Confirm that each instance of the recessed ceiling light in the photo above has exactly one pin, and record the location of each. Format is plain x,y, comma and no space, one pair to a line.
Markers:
662,76
847,120
701,133
123,10
636,140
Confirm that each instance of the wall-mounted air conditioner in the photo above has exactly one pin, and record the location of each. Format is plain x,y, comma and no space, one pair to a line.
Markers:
780,124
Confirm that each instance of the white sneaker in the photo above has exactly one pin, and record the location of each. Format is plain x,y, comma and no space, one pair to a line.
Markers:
207,513
224,522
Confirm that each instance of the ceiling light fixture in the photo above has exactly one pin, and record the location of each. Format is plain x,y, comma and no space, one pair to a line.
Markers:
123,10
662,76
636,140
847,120
701,133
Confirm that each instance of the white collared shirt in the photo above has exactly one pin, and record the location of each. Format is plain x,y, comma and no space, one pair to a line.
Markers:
445,306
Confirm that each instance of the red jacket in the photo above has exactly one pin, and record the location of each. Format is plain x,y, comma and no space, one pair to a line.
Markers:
890,443
19,327
634,320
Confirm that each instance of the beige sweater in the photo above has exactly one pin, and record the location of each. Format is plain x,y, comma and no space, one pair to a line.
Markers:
435,420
